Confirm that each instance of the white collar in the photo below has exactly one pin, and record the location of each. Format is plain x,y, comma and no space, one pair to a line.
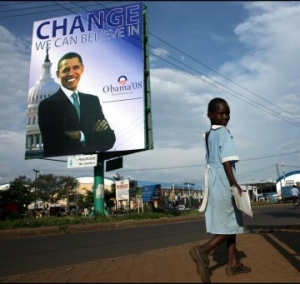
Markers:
217,126
214,127
68,92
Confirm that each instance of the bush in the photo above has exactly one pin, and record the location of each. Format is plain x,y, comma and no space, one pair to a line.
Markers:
65,221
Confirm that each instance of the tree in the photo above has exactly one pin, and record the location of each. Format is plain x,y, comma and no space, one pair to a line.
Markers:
110,196
65,186
17,197
46,186
20,191
86,200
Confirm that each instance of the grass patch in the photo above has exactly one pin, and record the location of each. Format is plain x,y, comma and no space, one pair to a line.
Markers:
64,222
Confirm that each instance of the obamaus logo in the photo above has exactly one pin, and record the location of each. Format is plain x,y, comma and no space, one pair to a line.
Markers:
122,80
124,86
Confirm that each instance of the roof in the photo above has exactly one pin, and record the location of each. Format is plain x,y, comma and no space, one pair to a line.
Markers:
261,184
287,175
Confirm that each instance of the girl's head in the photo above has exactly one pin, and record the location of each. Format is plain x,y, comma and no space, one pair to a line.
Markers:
218,112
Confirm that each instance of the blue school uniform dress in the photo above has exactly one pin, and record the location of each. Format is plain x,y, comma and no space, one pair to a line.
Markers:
221,214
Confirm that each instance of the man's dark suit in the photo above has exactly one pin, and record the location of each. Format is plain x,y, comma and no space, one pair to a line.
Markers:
57,115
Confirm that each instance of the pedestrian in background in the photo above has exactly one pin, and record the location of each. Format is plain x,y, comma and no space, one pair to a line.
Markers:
295,196
222,217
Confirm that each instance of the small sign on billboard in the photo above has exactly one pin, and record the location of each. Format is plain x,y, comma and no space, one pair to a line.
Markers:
80,161
114,164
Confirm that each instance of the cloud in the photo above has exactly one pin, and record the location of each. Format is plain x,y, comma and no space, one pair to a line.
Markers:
263,93
14,84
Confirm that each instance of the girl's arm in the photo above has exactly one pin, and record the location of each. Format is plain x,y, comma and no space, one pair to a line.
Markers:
229,172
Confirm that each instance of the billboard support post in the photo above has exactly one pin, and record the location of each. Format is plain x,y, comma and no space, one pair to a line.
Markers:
99,188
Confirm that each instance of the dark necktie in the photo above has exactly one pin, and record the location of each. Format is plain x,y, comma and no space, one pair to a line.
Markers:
76,103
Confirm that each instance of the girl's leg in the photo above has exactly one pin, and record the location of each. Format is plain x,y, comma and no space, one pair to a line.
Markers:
231,247
215,241
200,254
234,266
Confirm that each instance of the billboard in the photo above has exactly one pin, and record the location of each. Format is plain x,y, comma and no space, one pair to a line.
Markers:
151,192
122,190
102,56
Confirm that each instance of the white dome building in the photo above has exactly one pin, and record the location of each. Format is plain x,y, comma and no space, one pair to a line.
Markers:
288,179
44,87
285,182
87,184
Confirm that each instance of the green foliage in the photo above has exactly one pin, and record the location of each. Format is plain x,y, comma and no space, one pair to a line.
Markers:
140,216
175,212
89,198
19,191
86,200
64,222
46,187
45,222
50,188
66,185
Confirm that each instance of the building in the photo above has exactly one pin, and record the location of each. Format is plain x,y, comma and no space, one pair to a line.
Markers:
285,183
87,184
288,179
43,88
259,190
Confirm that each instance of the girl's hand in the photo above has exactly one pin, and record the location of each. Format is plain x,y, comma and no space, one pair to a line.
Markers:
239,188
229,172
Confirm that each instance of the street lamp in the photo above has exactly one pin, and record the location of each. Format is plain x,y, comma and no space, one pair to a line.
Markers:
36,173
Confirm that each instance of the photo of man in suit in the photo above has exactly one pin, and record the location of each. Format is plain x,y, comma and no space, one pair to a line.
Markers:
72,122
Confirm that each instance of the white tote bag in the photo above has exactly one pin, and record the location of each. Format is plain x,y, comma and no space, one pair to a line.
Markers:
206,190
242,202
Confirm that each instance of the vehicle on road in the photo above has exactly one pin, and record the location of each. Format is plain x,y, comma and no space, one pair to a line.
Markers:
182,207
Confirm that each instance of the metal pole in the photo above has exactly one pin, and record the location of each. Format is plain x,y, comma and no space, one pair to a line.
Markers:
283,173
280,184
36,173
99,188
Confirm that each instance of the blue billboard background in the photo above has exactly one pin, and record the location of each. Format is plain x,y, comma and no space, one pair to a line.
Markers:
151,192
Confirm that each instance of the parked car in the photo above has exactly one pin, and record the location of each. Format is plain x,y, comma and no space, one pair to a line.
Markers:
182,207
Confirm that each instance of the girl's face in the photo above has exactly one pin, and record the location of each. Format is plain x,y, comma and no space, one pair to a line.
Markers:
220,115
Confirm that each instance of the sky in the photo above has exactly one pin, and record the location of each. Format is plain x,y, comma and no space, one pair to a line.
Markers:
245,52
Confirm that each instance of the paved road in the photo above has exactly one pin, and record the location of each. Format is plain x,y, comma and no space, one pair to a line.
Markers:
23,255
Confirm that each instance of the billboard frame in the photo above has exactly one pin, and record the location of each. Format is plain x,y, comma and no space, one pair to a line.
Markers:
148,131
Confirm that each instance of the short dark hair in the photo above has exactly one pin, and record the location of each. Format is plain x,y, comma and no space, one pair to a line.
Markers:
214,102
69,55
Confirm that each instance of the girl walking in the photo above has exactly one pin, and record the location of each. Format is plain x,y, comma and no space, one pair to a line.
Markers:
222,217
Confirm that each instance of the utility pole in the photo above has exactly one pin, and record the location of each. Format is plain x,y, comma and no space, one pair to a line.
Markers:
283,173
36,173
189,192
